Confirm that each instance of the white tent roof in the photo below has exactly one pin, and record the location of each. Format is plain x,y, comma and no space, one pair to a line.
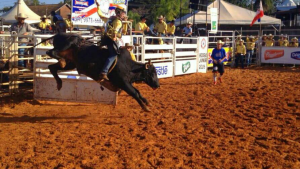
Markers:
230,15
23,8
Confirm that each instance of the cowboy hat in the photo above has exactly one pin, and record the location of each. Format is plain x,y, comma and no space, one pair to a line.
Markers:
251,37
189,23
161,17
241,40
264,35
220,42
270,35
127,45
295,38
239,35
21,15
44,17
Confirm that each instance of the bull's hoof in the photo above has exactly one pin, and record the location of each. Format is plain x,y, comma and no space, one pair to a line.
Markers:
146,109
149,104
59,86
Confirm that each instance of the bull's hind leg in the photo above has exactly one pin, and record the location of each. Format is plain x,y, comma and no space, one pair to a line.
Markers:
129,89
55,67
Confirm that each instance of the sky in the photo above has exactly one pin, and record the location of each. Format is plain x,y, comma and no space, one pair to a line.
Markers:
4,3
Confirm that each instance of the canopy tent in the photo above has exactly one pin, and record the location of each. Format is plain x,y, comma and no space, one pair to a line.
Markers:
9,17
230,15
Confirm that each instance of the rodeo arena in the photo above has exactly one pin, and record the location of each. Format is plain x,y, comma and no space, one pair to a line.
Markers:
216,88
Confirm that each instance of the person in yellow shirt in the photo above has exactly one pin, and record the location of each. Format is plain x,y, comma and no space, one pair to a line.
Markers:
283,41
170,30
294,42
250,45
270,41
44,25
114,32
140,29
129,48
161,28
240,53
69,24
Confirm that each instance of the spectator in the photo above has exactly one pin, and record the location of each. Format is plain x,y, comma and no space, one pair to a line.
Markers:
58,23
171,29
21,28
264,38
240,53
218,56
129,48
160,28
270,41
250,43
226,42
68,22
237,40
141,27
44,25
283,41
294,42
187,31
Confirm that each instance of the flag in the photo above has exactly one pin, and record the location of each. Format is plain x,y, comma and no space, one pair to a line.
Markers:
259,14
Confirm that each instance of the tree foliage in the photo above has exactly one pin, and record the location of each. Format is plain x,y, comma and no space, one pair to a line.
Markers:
32,2
5,9
135,17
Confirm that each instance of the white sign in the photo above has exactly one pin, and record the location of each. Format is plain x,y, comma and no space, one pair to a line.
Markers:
281,55
214,19
202,64
164,70
84,12
185,67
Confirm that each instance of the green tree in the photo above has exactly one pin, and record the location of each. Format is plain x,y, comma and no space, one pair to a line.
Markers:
268,5
32,2
135,17
5,9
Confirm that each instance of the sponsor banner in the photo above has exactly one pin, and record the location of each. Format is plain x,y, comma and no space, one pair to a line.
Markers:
214,19
84,12
228,51
281,55
185,67
202,64
164,70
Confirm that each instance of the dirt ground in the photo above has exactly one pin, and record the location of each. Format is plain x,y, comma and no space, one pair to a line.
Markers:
251,120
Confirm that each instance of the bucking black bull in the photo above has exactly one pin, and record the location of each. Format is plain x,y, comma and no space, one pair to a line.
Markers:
89,59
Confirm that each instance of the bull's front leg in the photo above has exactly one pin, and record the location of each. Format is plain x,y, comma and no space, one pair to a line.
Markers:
142,98
129,89
55,67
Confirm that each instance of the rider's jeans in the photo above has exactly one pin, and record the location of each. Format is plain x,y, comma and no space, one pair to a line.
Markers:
110,60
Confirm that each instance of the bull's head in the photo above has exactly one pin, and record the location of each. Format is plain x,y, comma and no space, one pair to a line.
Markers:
150,75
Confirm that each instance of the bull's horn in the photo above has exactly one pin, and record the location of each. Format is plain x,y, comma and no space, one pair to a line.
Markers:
149,62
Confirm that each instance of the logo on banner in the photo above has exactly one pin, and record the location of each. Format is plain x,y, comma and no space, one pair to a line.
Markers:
81,2
295,55
273,54
186,66
203,43
161,70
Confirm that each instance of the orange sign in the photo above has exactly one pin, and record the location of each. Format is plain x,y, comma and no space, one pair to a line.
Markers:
273,54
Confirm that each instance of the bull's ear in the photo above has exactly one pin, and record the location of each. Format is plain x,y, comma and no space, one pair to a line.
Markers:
146,66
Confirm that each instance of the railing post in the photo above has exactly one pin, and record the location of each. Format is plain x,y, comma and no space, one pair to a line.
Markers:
13,66
197,54
174,55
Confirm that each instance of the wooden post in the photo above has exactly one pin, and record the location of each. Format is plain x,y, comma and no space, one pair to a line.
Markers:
13,66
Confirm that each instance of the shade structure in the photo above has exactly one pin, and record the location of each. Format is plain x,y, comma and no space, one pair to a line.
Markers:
9,17
230,15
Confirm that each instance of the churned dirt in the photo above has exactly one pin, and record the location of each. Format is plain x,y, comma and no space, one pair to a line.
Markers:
251,120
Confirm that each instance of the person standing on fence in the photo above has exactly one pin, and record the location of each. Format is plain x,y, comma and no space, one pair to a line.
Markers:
270,41
250,43
161,28
171,29
218,56
68,22
58,23
240,54
141,27
21,28
294,42
44,25
187,31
